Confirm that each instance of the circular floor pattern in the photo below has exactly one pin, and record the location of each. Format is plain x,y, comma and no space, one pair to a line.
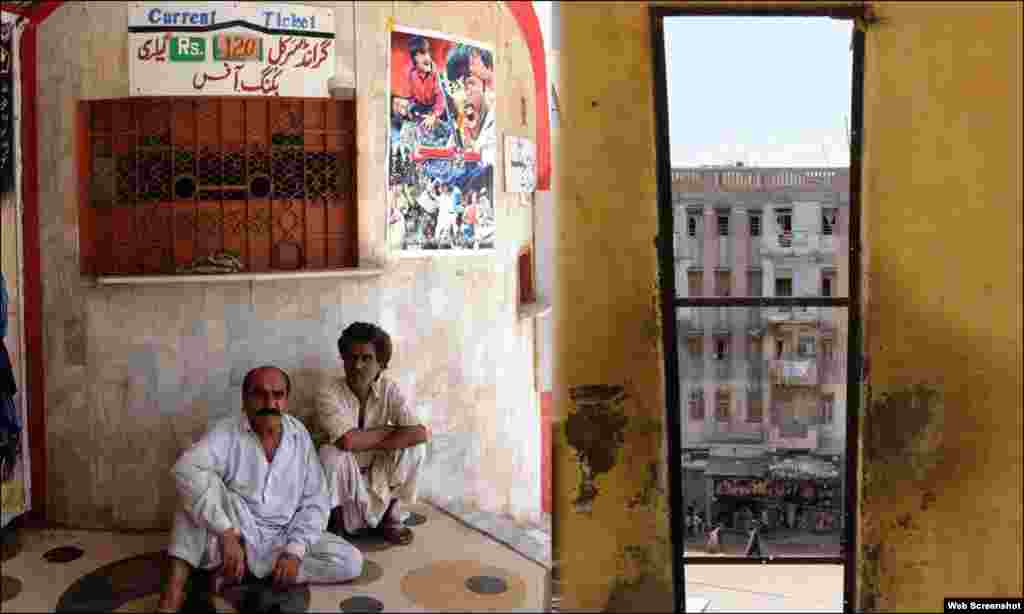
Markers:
134,585
414,519
64,554
368,541
9,548
9,588
149,603
486,585
371,573
443,586
361,603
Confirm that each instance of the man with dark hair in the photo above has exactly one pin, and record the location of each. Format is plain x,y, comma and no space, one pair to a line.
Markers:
376,443
428,101
255,500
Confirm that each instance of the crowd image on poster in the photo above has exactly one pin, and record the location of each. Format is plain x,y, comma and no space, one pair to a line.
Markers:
442,143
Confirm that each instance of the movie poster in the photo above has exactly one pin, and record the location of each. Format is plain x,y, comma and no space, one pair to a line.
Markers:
442,144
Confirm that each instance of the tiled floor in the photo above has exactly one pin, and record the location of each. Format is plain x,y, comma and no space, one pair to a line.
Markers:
763,588
428,575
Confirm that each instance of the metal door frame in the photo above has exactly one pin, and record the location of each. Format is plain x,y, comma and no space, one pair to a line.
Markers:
670,301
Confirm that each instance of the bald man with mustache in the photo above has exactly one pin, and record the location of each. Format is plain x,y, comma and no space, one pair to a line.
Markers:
255,500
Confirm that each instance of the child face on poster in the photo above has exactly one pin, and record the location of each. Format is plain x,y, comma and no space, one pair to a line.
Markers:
478,68
400,107
424,64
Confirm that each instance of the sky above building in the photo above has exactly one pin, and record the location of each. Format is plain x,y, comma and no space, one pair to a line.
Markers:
764,91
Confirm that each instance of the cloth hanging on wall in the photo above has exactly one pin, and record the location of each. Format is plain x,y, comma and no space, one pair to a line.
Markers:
13,491
6,107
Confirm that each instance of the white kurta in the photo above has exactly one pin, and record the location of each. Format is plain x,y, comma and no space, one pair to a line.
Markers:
225,481
364,483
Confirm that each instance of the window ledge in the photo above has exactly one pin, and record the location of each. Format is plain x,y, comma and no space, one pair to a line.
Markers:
110,280
537,309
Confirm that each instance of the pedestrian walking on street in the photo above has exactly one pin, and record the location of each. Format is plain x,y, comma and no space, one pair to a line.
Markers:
754,543
714,545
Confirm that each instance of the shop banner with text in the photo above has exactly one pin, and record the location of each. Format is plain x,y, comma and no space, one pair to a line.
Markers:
230,49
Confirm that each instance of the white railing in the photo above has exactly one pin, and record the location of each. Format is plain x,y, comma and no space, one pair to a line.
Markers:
759,179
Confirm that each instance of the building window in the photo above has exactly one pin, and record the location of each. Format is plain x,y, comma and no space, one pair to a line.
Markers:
723,223
221,185
828,221
754,283
784,220
755,224
780,347
691,222
828,278
721,348
723,283
827,408
695,282
695,346
696,405
723,399
783,286
826,349
755,411
805,347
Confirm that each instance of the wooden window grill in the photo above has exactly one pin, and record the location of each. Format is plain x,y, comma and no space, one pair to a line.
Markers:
217,185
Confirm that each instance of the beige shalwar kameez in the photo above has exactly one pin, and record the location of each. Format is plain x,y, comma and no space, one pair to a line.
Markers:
362,484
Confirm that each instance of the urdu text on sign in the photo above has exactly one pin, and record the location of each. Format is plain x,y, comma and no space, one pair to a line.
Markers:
229,49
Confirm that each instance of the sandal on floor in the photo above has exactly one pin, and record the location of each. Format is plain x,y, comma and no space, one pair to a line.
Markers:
396,534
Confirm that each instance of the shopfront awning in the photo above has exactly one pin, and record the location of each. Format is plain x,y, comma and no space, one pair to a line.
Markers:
737,467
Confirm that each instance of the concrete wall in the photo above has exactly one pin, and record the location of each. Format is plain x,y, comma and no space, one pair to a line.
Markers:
940,507
941,495
134,374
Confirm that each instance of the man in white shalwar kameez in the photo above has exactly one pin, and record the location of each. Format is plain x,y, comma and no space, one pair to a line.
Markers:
375,442
255,500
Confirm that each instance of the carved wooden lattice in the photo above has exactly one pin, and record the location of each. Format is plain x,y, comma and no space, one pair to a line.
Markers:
167,183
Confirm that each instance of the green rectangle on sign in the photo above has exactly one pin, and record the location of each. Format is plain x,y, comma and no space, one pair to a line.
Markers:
188,49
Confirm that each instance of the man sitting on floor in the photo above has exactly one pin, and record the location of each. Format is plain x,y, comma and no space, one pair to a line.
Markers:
255,500
376,443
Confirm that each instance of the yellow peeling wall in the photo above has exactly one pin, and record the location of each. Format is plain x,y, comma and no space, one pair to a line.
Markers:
940,511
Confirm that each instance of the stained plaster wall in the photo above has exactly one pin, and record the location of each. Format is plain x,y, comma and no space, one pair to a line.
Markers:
940,501
135,373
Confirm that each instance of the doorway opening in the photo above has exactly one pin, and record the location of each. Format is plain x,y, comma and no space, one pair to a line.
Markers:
758,124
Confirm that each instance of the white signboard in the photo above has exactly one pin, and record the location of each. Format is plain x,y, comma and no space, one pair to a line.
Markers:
230,49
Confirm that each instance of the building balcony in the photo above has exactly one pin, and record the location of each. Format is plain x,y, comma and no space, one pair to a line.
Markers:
780,315
728,432
799,243
793,436
795,372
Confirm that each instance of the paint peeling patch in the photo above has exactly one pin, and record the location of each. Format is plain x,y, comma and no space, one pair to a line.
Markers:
904,433
649,491
639,584
927,499
596,431
870,577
